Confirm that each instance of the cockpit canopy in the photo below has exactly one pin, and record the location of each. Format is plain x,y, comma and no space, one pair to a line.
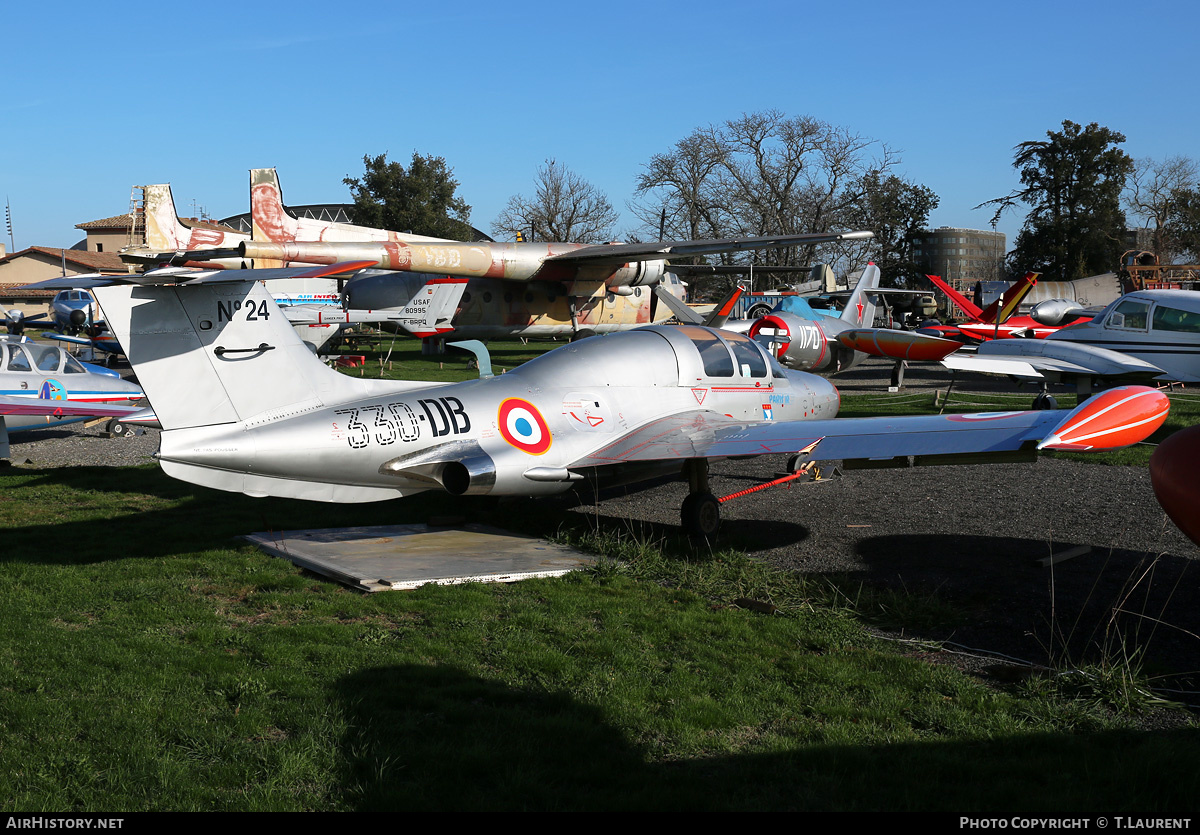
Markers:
74,296
659,355
31,357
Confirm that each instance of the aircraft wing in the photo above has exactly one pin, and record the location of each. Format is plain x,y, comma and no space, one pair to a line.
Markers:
1038,359
36,406
327,314
179,275
74,340
1113,419
614,255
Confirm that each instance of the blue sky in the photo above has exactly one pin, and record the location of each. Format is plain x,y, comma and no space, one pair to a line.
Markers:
98,98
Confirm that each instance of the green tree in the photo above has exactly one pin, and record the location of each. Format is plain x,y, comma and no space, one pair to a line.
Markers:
1072,183
420,200
895,210
1184,223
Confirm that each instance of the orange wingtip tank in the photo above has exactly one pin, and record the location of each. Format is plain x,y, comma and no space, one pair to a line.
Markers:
901,345
1110,420
1173,469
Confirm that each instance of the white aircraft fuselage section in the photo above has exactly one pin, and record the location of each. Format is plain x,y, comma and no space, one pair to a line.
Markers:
1160,327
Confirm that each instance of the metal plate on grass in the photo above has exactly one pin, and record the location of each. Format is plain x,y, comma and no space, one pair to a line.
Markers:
407,556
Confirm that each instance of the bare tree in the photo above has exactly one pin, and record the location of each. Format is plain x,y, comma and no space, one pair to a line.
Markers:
1153,195
764,173
565,207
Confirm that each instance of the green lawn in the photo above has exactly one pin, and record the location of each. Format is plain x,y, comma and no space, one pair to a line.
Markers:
148,661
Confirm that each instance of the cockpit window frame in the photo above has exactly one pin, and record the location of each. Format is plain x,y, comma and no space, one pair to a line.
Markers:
1188,321
747,361
10,362
1118,319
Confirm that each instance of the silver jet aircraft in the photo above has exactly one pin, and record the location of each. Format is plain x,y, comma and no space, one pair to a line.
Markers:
245,407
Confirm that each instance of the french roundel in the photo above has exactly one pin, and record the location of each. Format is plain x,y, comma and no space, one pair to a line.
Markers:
523,426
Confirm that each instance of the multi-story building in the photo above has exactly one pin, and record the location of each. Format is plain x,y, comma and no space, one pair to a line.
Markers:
960,256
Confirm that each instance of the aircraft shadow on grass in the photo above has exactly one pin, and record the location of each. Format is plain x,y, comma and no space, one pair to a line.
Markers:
435,737
1101,606
130,520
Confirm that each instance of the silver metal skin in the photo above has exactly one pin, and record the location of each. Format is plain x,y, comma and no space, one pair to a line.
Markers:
246,407
1054,312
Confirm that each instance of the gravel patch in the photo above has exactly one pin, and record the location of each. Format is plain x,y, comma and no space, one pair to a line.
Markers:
85,446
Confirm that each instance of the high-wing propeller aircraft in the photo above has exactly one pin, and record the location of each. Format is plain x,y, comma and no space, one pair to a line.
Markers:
245,407
515,289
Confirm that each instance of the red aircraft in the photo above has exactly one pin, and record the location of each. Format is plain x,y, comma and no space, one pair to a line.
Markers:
997,320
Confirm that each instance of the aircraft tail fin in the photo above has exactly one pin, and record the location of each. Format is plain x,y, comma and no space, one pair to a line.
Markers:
999,311
431,311
270,221
720,314
218,353
960,301
860,309
164,232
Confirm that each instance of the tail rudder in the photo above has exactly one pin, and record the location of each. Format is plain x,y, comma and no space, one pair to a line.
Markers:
431,311
999,311
213,353
164,232
269,219
960,301
860,309
720,314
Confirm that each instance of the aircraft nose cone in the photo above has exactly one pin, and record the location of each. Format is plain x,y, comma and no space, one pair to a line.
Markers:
77,317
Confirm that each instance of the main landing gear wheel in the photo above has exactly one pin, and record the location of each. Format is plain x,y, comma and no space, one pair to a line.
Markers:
701,515
1045,401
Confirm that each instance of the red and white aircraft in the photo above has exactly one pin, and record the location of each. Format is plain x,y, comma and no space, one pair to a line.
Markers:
997,320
